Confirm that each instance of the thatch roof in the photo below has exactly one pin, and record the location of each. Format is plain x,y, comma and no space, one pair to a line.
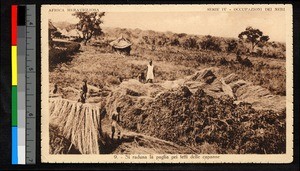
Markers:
121,43
74,33
64,32
51,26
78,123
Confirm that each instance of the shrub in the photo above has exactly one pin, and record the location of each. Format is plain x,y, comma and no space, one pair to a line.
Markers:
57,56
210,43
62,52
73,47
232,46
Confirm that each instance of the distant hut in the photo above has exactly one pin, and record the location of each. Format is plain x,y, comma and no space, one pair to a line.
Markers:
121,45
73,33
64,33
51,27
52,30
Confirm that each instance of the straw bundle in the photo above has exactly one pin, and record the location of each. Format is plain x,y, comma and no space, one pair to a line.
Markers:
77,122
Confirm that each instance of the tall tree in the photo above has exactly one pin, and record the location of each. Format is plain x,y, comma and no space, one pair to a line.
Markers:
89,24
253,36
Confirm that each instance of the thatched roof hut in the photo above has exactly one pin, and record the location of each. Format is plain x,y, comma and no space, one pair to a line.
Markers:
64,32
121,45
74,33
51,27
52,30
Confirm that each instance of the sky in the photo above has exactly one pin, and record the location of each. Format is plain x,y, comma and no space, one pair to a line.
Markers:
223,24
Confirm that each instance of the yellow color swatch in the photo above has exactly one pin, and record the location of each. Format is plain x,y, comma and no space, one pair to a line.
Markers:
14,67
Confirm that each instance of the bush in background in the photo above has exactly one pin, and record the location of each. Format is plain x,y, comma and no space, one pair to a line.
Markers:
62,52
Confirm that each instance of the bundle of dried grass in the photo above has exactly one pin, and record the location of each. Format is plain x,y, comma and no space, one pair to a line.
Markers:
77,122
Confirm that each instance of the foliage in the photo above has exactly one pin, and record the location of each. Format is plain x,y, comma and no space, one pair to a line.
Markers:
62,53
232,45
270,74
210,43
89,24
253,36
166,40
190,43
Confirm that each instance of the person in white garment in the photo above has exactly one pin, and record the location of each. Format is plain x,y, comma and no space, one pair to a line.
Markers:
150,72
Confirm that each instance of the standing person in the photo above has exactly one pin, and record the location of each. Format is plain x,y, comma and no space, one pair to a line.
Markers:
83,91
115,123
150,72
55,89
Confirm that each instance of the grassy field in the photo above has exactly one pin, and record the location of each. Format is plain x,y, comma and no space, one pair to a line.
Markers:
105,70
101,67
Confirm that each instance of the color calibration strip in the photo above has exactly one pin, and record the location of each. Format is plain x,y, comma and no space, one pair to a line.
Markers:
14,79
23,84
21,52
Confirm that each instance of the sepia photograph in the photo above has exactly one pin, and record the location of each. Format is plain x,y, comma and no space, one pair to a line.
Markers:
167,83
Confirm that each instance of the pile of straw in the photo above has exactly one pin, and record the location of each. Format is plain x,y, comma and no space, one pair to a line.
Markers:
77,122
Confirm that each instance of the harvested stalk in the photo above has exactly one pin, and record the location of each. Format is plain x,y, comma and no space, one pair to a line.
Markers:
77,122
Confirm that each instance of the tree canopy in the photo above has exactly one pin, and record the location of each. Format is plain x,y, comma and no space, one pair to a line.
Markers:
89,24
254,36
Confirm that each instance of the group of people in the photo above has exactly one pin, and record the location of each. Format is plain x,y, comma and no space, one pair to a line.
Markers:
148,79
115,118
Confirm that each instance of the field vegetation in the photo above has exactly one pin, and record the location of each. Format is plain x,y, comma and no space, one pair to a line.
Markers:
203,120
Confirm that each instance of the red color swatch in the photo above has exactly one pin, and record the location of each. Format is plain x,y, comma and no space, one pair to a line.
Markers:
14,21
